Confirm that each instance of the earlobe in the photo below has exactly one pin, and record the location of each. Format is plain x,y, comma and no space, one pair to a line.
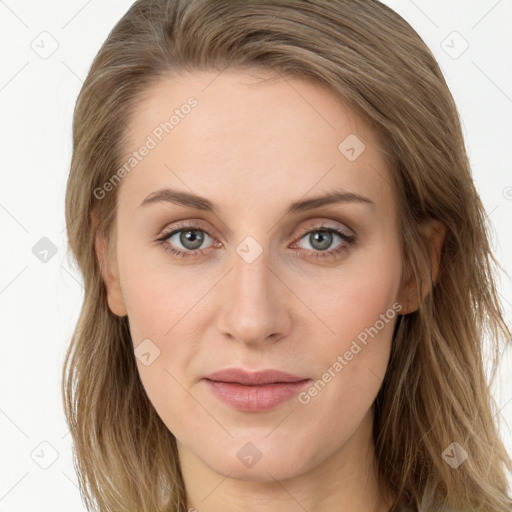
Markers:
110,276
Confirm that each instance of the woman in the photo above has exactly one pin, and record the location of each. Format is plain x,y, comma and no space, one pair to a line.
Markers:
287,270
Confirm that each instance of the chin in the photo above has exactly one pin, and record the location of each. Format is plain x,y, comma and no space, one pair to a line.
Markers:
257,461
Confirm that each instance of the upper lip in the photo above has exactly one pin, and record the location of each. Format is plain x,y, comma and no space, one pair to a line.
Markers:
241,376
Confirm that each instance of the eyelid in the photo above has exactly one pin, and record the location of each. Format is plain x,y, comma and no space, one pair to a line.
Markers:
182,225
318,225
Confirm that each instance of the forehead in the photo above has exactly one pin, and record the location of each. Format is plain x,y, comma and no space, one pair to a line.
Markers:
261,103
253,131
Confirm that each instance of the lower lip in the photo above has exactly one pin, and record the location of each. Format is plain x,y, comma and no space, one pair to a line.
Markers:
255,398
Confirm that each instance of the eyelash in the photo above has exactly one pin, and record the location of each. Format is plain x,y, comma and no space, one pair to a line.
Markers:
348,239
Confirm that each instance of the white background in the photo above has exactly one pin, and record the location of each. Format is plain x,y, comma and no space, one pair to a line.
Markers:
40,302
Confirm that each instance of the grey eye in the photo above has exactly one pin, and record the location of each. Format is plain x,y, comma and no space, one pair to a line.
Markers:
190,239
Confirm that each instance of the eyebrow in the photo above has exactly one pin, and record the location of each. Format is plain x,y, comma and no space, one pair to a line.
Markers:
177,197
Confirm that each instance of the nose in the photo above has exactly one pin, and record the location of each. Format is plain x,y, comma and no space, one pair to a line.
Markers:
255,302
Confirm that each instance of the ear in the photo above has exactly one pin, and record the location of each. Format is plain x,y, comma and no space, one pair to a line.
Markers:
109,272
433,231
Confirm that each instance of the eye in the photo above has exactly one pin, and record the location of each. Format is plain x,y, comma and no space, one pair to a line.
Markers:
320,238
191,237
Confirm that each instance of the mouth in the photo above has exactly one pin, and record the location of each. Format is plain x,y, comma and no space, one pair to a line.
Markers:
255,391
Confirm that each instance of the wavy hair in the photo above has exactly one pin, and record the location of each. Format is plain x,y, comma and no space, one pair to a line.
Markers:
435,391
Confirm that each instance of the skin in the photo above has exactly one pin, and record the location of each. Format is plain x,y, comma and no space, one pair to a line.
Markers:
254,144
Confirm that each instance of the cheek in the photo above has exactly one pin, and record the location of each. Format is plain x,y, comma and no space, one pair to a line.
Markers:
359,307
352,298
162,323
159,297
164,344
163,302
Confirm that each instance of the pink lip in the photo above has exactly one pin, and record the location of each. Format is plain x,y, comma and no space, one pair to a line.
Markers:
254,391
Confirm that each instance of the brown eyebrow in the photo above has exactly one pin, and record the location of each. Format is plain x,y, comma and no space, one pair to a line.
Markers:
201,203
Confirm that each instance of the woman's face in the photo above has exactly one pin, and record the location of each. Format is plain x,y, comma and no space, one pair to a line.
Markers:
266,276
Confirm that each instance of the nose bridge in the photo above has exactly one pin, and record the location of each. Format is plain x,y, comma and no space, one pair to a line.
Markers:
251,276
253,304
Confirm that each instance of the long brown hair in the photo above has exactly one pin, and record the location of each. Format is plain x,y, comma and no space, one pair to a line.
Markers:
435,391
